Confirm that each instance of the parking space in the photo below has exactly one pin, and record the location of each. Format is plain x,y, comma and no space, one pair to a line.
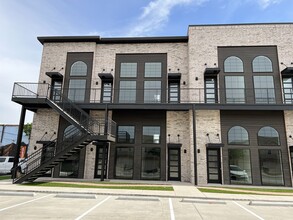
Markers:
48,206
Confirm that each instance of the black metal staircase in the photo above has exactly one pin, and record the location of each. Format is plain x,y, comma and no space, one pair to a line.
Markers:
84,130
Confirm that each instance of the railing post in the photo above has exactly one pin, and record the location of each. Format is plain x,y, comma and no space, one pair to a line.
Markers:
106,120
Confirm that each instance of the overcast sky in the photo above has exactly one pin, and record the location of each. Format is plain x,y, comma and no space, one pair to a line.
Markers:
21,21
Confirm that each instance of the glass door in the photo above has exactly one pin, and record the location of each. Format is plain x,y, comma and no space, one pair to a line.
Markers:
214,165
99,162
174,164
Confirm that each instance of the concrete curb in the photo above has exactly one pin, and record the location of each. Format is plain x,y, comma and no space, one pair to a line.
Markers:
17,193
76,196
204,201
272,203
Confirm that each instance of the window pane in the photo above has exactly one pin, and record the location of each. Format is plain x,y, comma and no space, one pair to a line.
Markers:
124,162
174,92
238,136
271,167
128,70
107,92
151,134
264,89
235,90
125,134
69,167
127,93
77,89
240,169
210,90
150,163
79,68
153,69
233,64
262,64
268,136
152,91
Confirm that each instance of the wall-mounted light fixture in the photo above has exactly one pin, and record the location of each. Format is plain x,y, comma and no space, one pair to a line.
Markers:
184,83
196,78
178,136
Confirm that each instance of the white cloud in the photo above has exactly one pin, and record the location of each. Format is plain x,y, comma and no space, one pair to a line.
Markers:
156,14
266,3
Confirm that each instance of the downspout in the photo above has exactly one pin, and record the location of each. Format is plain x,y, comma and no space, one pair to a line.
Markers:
194,144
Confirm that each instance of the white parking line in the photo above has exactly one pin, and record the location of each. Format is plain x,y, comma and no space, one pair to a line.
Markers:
23,203
91,209
171,209
249,211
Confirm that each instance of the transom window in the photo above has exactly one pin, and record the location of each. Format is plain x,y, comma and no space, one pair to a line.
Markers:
128,70
238,135
262,64
151,134
233,64
268,136
78,68
125,134
153,69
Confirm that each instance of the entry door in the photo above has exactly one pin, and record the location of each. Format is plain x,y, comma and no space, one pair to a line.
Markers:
174,164
56,90
214,165
99,160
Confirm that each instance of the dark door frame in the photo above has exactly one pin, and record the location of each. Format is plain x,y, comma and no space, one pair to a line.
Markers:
219,165
174,147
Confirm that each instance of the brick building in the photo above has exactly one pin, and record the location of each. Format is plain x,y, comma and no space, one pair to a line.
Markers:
214,106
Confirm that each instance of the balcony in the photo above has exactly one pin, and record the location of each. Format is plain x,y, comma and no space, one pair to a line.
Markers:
33,96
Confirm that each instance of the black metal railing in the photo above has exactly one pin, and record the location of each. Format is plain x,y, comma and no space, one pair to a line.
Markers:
157,96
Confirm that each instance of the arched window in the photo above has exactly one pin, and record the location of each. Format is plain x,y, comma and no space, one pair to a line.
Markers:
70,132
268,136
238,135
233,64
262,64
78,68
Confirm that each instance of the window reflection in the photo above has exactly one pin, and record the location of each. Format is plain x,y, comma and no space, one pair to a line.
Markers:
239,164
124,162
268,136
238,135
150,163
125,134
151,134
271,167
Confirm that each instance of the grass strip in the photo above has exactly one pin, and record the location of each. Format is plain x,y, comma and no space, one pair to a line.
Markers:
262,189
5,177
223,191
74,185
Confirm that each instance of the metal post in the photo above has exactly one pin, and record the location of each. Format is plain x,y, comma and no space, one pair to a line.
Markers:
194,143
18,143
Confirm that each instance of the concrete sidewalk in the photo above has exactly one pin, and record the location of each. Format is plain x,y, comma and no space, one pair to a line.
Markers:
181,190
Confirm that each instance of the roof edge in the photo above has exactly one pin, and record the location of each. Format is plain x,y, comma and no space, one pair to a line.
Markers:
114,40
240,24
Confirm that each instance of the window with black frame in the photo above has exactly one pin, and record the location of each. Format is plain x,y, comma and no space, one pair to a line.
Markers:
124,162
77,81
235,89
238,135
125,134
288,90
264,89
150,163
151,134
268,136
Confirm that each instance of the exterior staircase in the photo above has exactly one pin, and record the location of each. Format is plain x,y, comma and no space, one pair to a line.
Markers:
84,130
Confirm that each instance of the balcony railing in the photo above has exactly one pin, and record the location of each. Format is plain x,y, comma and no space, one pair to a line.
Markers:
156,96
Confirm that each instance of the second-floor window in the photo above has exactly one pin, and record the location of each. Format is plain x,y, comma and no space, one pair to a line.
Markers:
288,90
264,89
235,89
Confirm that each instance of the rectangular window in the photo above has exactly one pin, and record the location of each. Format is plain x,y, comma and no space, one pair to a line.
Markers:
150,163
107,92
264,89
151,134
240,168
235,89
124,162
211,90
271,167
288,90
125,134
77,90
153,69
174,92
152,91
127,92
69,167
128,70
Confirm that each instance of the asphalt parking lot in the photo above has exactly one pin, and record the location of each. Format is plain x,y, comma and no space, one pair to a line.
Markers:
90,206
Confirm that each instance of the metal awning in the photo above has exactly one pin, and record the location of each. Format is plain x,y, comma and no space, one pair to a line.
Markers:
214,145
211,71
106,76
54,75
288,71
